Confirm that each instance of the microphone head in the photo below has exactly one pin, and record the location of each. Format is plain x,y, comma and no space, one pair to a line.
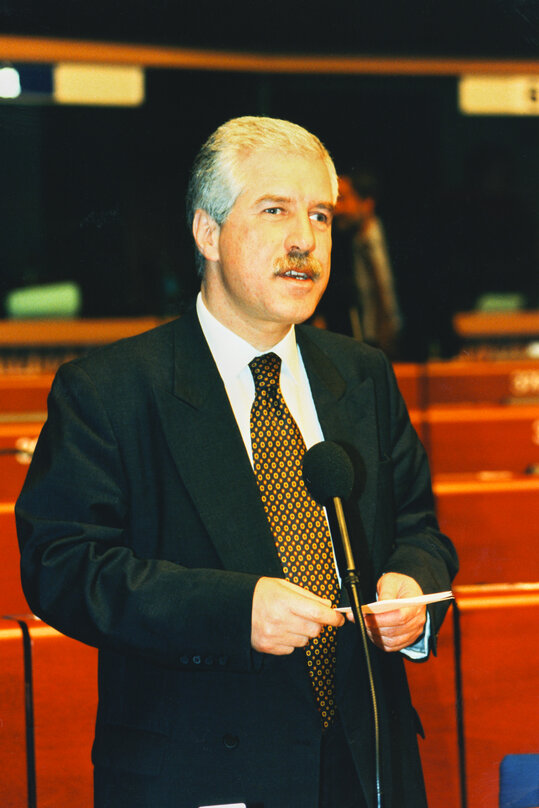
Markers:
328,471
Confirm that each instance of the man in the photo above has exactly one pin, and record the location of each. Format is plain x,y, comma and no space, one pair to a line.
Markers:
361,299
145,532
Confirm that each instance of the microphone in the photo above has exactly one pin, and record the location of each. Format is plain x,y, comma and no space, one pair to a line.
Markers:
328,474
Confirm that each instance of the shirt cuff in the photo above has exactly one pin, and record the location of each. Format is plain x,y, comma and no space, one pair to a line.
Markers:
420,648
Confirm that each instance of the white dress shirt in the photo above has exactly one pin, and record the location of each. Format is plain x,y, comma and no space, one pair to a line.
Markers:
232,355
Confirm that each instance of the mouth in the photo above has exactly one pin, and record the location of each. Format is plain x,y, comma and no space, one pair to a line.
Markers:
298,267
296,275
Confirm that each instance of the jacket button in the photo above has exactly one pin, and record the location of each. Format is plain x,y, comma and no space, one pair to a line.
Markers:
208,660
223,660
196,660
230,741
184,660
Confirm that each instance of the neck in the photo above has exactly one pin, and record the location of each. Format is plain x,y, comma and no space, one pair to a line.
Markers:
262,336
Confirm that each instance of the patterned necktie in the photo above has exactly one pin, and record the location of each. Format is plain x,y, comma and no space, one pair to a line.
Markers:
297,522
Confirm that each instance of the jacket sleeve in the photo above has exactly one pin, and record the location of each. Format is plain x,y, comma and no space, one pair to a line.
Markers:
78,571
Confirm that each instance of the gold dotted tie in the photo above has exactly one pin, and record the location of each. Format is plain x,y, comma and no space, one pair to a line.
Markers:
298,523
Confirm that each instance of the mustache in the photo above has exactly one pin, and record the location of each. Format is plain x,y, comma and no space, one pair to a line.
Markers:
299,262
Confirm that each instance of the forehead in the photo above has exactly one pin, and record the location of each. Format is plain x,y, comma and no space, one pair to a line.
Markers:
276,172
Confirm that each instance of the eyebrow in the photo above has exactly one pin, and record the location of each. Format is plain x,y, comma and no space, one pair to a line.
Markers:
263,200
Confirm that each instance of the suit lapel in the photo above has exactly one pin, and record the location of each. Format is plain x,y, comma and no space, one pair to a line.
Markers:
347,413
211,458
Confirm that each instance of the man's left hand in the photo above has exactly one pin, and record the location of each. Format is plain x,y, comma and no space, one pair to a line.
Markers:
399,628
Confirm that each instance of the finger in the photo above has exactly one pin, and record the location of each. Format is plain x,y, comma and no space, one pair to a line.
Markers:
281,650
397,617
396,585
283,641
388,642
287,642
327,616
304,628
300,590
317,610
392,645
394,638
335,618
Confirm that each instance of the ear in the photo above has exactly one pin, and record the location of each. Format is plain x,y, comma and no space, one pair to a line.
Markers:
206,235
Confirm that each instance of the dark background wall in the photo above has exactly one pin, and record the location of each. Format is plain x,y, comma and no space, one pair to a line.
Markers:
96,194
494,28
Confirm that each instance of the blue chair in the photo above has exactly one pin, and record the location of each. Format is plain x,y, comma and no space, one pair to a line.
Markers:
519,781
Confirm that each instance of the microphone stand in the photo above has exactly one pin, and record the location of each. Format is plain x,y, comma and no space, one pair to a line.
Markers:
351,582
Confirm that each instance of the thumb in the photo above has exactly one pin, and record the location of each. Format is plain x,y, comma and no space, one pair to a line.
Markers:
389,586
396,585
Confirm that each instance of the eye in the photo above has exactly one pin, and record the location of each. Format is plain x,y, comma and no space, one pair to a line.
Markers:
273,211
321,216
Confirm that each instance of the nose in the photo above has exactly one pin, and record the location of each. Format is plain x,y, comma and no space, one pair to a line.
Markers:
300,236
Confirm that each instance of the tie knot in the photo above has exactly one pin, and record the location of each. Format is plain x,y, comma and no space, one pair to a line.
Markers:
266,370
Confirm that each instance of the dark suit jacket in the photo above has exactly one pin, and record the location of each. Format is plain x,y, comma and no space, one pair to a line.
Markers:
142,532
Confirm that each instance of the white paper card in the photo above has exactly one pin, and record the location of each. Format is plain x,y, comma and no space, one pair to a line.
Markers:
379,606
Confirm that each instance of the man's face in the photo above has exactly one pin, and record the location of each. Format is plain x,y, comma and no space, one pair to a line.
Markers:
271,261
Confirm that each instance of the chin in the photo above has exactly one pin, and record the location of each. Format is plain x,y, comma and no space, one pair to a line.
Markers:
303,314
297,311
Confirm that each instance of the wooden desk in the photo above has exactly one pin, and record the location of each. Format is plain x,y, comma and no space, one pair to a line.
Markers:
433,688
500,677
12,600
22,393
481,325
17,443
492,519
495,382
13,780
72,332
63,684
65,702
31,347
410,378
480,438
499,667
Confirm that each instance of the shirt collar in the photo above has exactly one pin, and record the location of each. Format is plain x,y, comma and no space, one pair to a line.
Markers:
232,354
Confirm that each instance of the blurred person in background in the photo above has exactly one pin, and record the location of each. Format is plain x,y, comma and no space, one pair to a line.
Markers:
360,299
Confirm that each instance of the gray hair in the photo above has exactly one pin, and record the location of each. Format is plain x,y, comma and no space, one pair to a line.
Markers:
215,182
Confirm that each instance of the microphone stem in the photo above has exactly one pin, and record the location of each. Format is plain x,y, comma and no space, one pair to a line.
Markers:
351,582
348,556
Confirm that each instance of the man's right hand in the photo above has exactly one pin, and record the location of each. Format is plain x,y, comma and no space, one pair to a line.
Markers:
285,616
